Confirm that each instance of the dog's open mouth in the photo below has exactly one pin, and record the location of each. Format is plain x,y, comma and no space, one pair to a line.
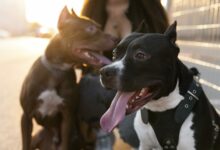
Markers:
126,103
91,57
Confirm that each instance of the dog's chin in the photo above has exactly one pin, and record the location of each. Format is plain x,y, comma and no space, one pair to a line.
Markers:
90,57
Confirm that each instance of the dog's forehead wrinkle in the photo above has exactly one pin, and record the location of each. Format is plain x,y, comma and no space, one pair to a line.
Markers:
127,40
148,42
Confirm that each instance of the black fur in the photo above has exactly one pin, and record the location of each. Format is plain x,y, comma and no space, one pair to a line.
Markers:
151,59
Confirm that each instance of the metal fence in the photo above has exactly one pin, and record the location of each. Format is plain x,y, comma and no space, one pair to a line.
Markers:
198,20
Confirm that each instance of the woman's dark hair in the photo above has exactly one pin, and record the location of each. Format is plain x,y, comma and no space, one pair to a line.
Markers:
149,10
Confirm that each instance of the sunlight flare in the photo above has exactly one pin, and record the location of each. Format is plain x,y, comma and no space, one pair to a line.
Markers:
46,12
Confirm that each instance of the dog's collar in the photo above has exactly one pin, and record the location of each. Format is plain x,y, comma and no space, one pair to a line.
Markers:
185,107
54,68
187,104
190,99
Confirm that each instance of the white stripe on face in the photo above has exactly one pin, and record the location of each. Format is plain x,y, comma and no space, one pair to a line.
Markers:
119,66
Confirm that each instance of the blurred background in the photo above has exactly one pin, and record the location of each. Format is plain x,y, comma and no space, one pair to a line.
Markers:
27,25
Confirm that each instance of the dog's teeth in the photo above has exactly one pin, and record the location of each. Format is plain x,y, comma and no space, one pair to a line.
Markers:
137,97
126,106
133,100
142,92
86,54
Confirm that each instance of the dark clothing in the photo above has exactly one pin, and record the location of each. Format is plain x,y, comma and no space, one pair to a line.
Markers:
95,100
127,132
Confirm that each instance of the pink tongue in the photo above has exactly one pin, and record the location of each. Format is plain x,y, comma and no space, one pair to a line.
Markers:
116,111
104,60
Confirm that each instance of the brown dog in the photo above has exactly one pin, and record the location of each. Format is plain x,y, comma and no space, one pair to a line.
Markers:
49,92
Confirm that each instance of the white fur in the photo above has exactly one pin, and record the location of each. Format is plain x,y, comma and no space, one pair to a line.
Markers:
117,64
186,137
146,134
50,102
165,103
148,140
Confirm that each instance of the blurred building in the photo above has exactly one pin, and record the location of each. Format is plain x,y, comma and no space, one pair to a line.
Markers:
198,20
12,18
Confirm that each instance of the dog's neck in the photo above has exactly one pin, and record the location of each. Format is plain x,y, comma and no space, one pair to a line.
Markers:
185,77
166,102
55,67
55,57
183,80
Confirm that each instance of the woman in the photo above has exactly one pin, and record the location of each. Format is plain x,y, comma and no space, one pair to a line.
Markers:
151,11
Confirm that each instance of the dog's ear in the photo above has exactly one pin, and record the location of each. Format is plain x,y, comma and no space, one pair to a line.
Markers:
73,13
171,32
65,15
142,27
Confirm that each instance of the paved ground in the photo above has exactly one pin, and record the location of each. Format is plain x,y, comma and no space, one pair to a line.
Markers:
16,57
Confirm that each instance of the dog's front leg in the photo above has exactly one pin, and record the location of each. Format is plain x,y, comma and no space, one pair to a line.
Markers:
66,131
26,130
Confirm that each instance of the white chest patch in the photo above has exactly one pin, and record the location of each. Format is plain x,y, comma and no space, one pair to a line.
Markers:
148,139
146,134
50,102
186,137
166,103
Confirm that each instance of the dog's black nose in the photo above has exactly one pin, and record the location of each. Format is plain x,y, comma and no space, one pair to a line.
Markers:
107,72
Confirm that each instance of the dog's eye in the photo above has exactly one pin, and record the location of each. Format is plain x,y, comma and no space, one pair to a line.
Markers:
140,55
91,29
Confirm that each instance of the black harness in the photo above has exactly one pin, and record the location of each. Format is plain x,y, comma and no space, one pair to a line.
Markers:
168,134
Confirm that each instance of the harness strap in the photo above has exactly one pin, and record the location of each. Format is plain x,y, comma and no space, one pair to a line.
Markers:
181,113
191,97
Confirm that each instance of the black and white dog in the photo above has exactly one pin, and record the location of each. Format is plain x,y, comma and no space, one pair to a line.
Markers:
173,111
